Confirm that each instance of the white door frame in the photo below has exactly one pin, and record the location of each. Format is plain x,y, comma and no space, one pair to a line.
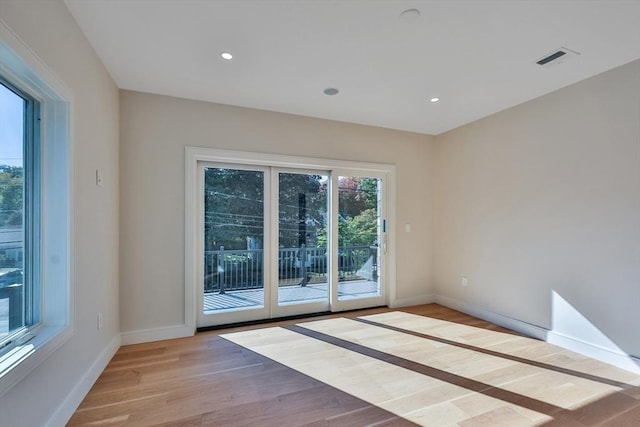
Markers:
278,310
245,314
195,156
356,303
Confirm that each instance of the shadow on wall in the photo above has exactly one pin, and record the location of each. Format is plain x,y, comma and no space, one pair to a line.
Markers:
569,328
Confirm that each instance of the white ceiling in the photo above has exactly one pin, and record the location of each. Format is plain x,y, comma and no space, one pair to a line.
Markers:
478,56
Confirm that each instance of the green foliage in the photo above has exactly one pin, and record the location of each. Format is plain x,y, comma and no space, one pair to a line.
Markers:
234,203
361,230
357,205
368,189
302,208
356,195
11,190
233,208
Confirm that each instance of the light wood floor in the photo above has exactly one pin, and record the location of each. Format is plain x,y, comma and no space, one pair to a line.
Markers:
424,365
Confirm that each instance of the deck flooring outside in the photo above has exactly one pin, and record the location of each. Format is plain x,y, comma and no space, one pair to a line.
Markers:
255,297
288,294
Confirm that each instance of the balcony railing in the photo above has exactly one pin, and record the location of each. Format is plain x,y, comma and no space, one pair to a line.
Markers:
11,283
231,270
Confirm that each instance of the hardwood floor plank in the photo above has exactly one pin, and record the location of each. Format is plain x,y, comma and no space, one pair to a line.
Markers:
626,419
549,385
312,405
449,369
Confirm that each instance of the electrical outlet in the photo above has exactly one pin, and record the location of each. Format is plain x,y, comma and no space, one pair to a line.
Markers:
99,321
465,281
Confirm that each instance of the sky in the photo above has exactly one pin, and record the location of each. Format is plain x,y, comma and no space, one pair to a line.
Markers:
11,127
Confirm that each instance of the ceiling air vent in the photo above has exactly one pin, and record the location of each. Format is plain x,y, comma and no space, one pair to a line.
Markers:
557,57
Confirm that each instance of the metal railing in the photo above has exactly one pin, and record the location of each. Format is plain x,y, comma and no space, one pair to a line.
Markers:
11,286
232,270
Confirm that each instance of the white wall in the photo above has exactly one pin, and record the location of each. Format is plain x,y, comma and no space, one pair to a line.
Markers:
48,29
154,131
545,197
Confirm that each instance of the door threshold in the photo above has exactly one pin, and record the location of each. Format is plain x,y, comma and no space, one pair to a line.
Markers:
277,319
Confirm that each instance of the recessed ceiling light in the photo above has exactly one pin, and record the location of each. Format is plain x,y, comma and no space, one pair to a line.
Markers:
226,56
331,91
410,15
434,99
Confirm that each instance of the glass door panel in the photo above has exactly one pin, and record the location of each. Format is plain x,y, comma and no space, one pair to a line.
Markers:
234,234
278,242
302,238
360,237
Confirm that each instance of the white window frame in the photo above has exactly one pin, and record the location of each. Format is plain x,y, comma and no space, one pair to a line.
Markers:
233,316
22,67
338,304
195,156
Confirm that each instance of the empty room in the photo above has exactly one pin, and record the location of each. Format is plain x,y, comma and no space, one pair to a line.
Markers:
319,213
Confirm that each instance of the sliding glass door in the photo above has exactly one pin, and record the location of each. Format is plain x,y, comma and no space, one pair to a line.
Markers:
360,234
284,241
302,242
361,240
234,231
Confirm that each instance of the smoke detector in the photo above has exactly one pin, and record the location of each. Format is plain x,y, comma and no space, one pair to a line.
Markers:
557,57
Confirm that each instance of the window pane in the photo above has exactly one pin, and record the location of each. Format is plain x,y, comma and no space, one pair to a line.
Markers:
358,237
233,239
302,240
12,137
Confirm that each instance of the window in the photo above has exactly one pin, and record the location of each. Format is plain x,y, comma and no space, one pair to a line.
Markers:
36,309
19,213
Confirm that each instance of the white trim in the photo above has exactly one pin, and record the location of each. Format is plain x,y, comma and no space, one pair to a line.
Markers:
66,409
271,243
36,69
498,319
33,353
333,263
27,71
191,241
621,360
222,317
277,309
407,302
386,250
279,160
391,189
157,334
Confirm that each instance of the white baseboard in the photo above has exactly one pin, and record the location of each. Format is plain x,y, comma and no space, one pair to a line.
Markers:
156,334
64,412
610,356
405,302
508,322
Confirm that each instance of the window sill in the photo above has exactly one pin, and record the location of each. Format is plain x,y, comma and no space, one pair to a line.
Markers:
22,359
